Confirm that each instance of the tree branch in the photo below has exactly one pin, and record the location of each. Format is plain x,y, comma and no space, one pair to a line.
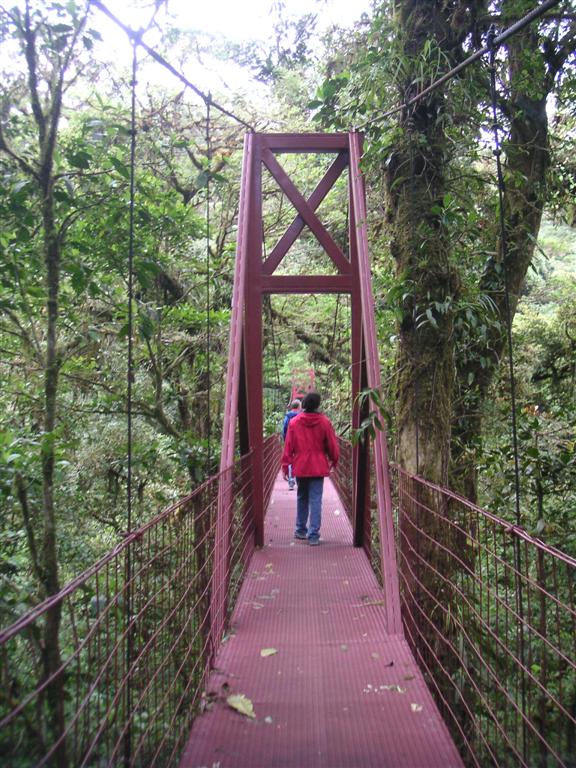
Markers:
25,336
24,166
30,53
22,494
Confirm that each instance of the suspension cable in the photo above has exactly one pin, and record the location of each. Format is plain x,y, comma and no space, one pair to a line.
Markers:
492,48
273,333
335,325
136,38
130,380
208,320
504,251
414,358
276,369
536,13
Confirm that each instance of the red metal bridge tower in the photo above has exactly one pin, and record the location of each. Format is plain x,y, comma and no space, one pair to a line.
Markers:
255,276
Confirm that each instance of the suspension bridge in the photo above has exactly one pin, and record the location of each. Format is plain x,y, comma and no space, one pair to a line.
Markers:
425,631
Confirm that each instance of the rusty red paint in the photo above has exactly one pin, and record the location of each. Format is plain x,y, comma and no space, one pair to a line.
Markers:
475,568
303,381
172,558
288,239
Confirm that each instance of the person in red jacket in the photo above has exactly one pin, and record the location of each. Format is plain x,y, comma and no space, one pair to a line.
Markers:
312,450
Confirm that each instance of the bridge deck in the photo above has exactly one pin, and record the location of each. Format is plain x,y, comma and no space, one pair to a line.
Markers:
339,692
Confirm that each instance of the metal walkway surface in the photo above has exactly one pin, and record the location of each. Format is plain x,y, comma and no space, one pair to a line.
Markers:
339,692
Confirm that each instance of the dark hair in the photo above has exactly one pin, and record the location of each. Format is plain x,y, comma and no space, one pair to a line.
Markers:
311,402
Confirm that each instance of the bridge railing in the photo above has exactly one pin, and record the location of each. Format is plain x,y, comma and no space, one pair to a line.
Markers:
342,476
490,614
342,479
133,641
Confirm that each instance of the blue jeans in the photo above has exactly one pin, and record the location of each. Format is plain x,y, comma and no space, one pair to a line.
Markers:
309,506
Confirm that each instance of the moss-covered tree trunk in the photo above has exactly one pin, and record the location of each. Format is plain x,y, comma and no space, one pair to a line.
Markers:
51,645
416,185
426,365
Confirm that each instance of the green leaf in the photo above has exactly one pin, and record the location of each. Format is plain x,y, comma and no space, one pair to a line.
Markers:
397,182
80,159
120,168
431,318
123,331
146,326
202,179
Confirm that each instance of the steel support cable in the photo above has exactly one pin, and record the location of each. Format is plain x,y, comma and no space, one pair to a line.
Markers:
536,13
492,46
334,326
208,320
276,369
136,38
414,316
129,383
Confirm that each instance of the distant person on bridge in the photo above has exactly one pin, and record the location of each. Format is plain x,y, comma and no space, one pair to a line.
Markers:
295,408
312,450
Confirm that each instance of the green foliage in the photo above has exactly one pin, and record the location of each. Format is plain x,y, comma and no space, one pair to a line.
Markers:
544,333
288,50
547,459
375,413
91,213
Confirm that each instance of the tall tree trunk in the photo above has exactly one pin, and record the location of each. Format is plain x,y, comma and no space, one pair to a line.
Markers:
416,187
51,649
527,158
425,365
47,109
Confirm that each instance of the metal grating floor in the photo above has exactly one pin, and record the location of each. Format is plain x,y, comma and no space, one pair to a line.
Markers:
339,692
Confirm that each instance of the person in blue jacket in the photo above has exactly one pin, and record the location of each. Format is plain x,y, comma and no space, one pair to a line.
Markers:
295,409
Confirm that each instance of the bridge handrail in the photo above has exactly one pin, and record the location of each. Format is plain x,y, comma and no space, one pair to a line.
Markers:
135,639
513,528
490,613
30,616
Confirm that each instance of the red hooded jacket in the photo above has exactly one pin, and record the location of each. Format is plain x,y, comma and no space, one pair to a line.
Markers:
311,446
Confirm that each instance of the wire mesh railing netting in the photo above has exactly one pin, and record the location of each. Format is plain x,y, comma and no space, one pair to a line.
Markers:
490,614
342,476
111,669
343,480
488,610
